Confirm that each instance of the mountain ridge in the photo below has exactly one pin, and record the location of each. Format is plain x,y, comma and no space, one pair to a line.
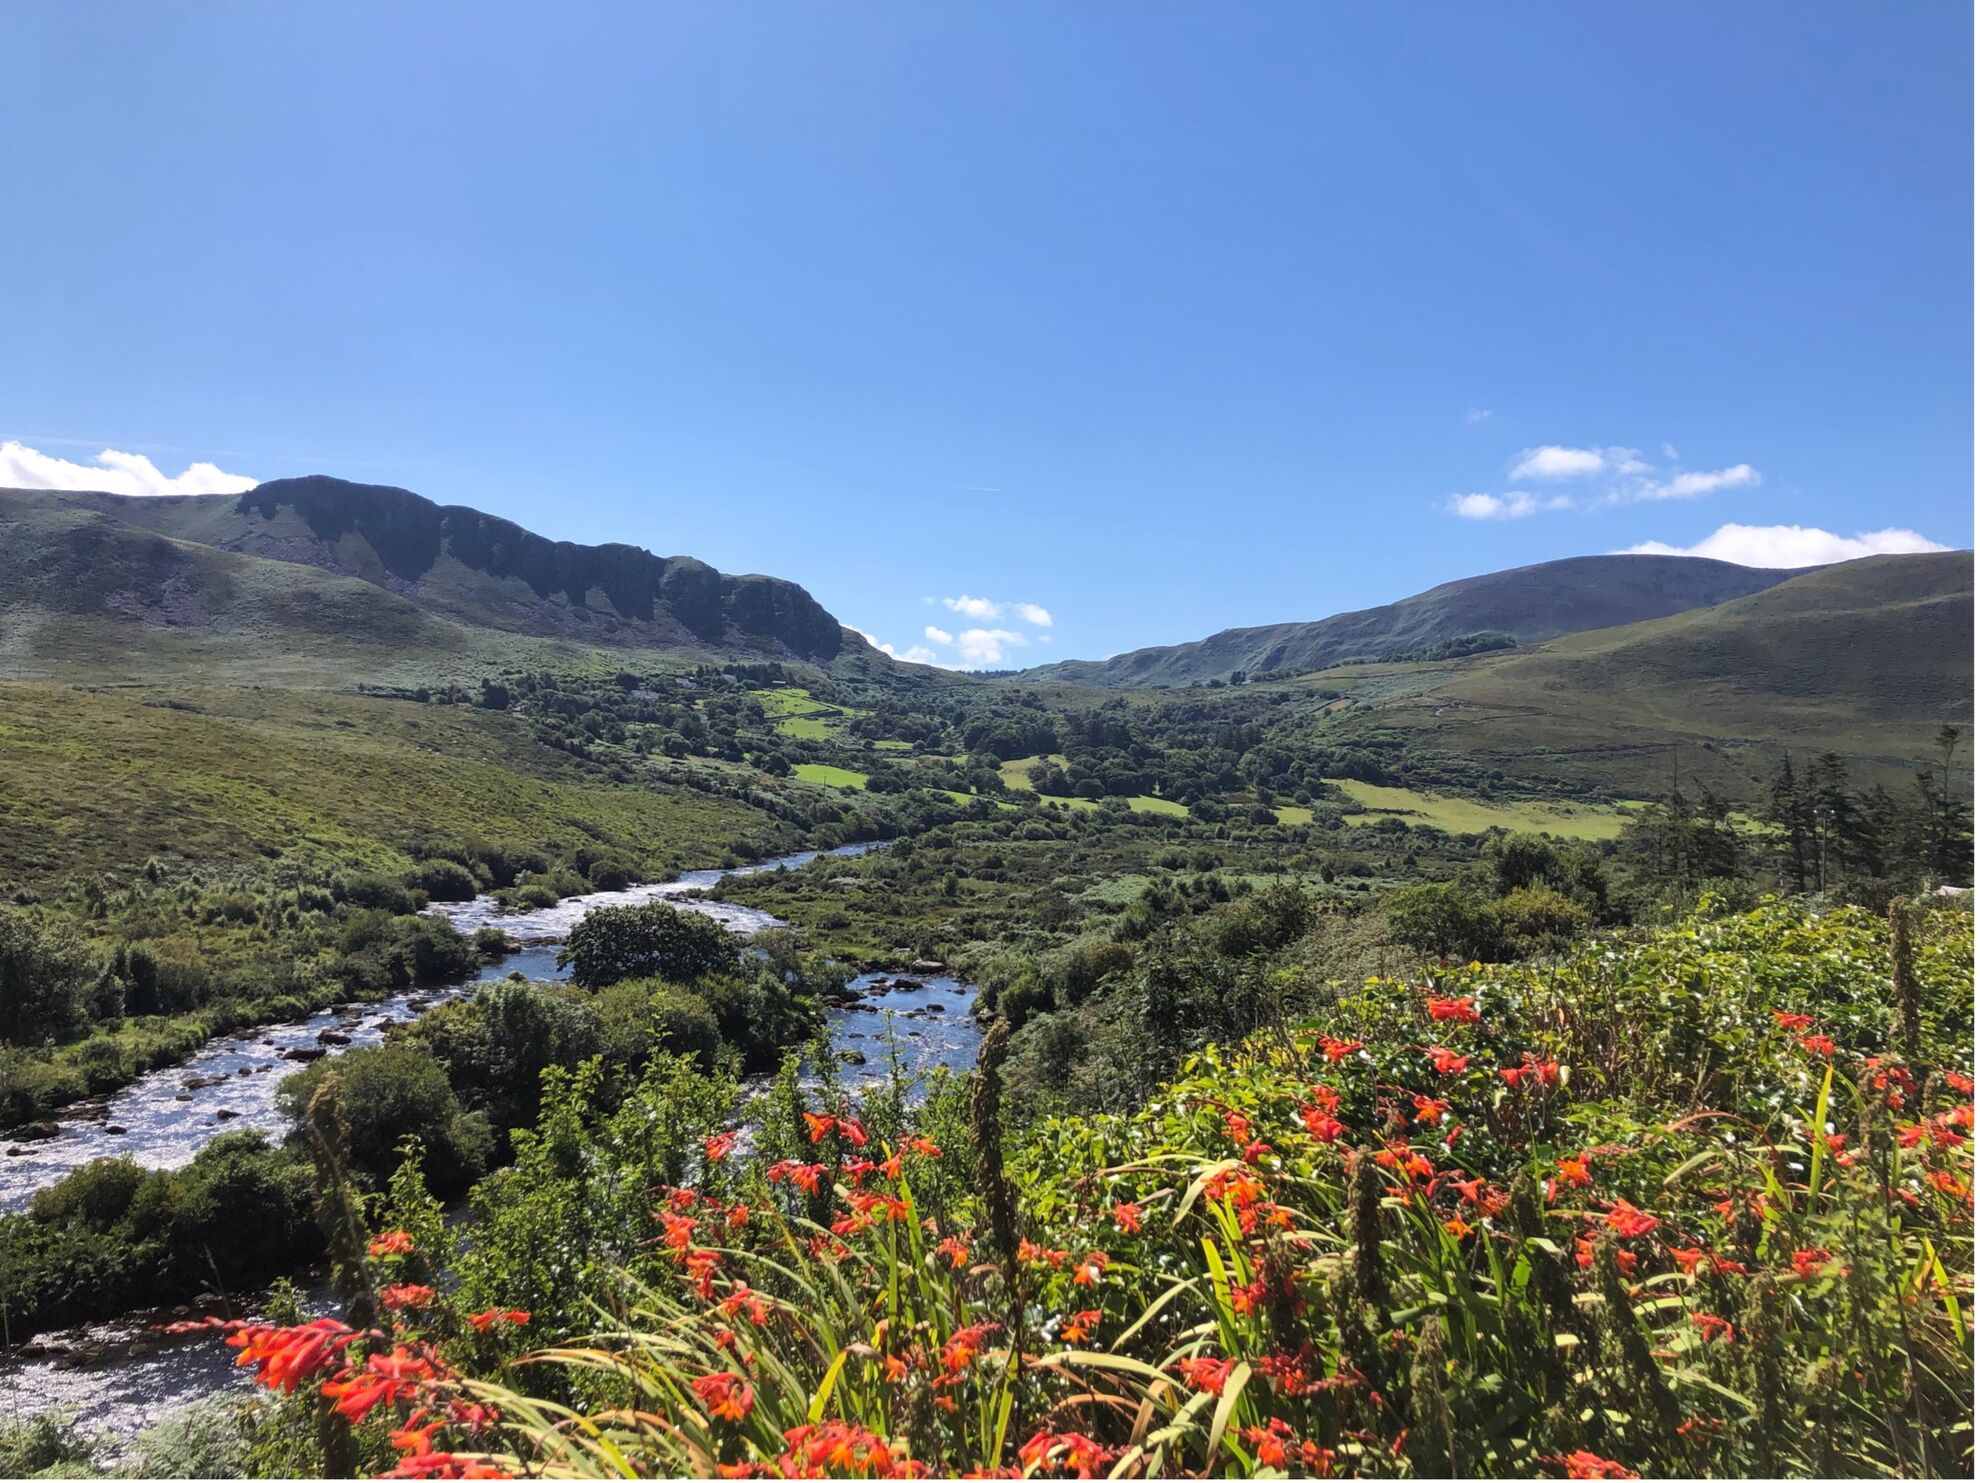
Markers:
1528,604
471,567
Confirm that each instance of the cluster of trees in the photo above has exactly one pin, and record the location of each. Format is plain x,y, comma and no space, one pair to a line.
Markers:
1812,829
1530,893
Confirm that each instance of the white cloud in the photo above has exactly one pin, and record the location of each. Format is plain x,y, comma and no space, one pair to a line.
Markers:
1791,545
1473,416
1036,616
22,467
979,608
938,635
1691,485
1555,462
914,654
988,647
1514,506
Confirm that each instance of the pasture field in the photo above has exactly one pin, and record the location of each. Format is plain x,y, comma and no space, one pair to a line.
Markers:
1473,816
824,775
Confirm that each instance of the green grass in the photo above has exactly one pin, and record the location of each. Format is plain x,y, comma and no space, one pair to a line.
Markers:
1013,774
103,780
826,776
1292,813
1472,816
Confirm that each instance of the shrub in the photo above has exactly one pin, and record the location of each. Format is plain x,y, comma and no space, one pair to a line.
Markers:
443,880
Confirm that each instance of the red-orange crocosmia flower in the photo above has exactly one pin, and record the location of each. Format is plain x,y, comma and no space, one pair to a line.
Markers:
728,1397
1206,1373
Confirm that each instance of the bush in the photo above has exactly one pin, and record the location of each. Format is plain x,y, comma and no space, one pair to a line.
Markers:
443,880
650,941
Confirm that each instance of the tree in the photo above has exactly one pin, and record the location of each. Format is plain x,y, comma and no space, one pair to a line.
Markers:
651,941
1948,833
1441,918
45,977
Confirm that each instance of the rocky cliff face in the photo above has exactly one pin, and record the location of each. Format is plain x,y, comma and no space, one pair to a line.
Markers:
482,569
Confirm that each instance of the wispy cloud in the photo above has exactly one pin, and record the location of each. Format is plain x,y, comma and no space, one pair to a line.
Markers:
1516,505
1689,485
913,654
1599,477
112,472
1477,416
1036,616
938,635
1791,545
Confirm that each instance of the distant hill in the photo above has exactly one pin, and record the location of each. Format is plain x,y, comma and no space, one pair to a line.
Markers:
1528,603
1867,658
460,564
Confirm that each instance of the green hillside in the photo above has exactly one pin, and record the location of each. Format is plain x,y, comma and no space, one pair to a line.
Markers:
461,564
1866,658
1526,605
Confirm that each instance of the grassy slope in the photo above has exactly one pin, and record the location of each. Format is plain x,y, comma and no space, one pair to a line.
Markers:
1471,816
1530,603
84,596
95,780
1867,659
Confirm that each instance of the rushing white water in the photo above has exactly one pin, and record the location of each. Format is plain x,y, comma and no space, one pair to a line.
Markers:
118,1377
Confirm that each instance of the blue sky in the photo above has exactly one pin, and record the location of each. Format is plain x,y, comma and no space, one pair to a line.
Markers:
1158,317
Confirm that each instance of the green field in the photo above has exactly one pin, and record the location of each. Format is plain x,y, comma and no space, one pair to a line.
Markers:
825,775
1471,816
1013,774
94,780
795,713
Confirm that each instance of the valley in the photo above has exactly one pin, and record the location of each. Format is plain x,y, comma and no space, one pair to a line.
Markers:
377,867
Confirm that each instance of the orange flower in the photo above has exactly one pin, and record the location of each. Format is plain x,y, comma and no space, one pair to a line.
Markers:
716,1149
727,1397
406,1295
1710,1326
1430,1109
1790,1021
818,1124
1462,1010
956,1249
744,1299
1810,1261
1445,1062
1818,1045
1206,1373
1078,1455
1583,1464
489,1317
1078,1328
284,1357
1627,1221
1268,1442
392,1243
1338,1050
1322,1124
1127,1216
1090,1268
926,1147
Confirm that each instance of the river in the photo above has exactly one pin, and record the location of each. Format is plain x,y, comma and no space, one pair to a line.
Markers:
120,1376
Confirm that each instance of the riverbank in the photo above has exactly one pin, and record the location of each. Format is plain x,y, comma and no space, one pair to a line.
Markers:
116,1375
